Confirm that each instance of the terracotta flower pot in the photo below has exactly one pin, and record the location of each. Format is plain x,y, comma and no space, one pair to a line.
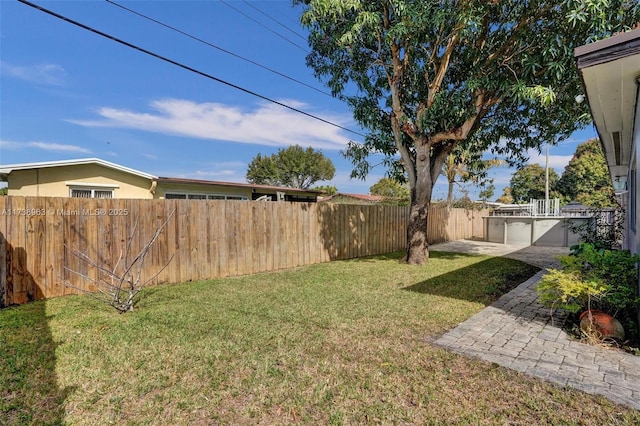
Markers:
602,323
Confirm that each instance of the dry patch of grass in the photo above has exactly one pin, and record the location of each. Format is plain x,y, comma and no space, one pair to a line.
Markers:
339,343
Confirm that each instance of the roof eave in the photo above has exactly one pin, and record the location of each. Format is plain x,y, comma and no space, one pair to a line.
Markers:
611,67
162,179
8,168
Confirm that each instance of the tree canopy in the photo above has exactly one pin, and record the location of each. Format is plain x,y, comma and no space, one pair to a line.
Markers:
294,167
390,188
327,189
426,76
506,197
586,178
487,192
528,183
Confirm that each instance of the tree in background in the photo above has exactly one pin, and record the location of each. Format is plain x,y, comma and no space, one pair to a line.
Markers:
586,178
487,192
465,164
506,197
4,191
528,183
392,189
426,76
293,167
327,189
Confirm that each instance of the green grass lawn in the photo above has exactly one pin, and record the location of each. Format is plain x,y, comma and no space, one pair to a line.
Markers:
337,343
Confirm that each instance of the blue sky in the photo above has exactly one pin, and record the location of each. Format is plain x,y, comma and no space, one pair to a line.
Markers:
68,93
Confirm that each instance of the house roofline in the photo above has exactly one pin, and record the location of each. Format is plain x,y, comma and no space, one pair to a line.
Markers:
235,185
5,169
607,50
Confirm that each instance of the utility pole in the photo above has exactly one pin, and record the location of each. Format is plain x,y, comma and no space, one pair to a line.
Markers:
546,183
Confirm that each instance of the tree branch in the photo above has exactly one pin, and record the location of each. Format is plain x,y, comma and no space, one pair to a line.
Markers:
130,273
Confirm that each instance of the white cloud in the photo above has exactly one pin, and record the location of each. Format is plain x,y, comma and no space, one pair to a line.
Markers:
266,124
45,146
557,162
10,145
50,74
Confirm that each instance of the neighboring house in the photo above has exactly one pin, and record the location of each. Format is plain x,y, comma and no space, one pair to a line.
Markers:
610,72
95,178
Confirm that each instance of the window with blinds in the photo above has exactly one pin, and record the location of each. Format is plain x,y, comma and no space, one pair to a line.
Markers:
91,193
178,196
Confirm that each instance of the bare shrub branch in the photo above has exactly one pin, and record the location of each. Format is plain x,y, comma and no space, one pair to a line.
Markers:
120,285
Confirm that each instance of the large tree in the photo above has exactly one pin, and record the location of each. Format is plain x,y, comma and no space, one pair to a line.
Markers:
586,178
294,167
426,76
529,182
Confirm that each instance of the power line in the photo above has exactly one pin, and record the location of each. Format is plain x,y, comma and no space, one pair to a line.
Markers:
304,49
274,20
186,67
228,52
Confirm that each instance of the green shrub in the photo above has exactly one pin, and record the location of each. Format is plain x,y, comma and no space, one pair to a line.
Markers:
595,278
617,268
599,231
568,290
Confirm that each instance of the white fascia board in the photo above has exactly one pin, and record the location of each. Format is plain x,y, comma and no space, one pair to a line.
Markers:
8,168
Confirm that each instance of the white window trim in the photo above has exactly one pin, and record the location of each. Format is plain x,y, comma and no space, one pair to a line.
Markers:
92,189
85,185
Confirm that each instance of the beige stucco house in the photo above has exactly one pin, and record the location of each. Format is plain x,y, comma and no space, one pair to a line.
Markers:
96,178
610,71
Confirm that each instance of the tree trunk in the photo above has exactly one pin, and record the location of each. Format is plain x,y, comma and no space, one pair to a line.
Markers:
450,193
417,245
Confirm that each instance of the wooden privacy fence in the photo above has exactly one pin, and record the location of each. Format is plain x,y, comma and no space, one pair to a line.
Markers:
204,239
449,224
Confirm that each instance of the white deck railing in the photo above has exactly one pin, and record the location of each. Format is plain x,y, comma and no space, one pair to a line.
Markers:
549,207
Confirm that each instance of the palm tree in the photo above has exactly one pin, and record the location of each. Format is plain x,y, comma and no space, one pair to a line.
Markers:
463,165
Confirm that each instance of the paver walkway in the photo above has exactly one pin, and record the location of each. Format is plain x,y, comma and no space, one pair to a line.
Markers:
518,333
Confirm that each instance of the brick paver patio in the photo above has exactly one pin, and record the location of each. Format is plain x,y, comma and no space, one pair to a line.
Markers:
518,333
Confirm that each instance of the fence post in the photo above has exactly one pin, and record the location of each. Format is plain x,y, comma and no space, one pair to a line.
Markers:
3,271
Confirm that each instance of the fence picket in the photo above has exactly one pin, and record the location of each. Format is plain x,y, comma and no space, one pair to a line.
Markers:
207,239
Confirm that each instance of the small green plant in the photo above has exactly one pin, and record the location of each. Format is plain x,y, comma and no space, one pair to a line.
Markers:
568,290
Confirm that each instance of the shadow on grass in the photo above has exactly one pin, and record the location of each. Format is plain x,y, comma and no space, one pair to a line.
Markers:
483,281
29,390
396,255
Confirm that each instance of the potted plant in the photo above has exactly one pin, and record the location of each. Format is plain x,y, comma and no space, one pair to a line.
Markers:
601,325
